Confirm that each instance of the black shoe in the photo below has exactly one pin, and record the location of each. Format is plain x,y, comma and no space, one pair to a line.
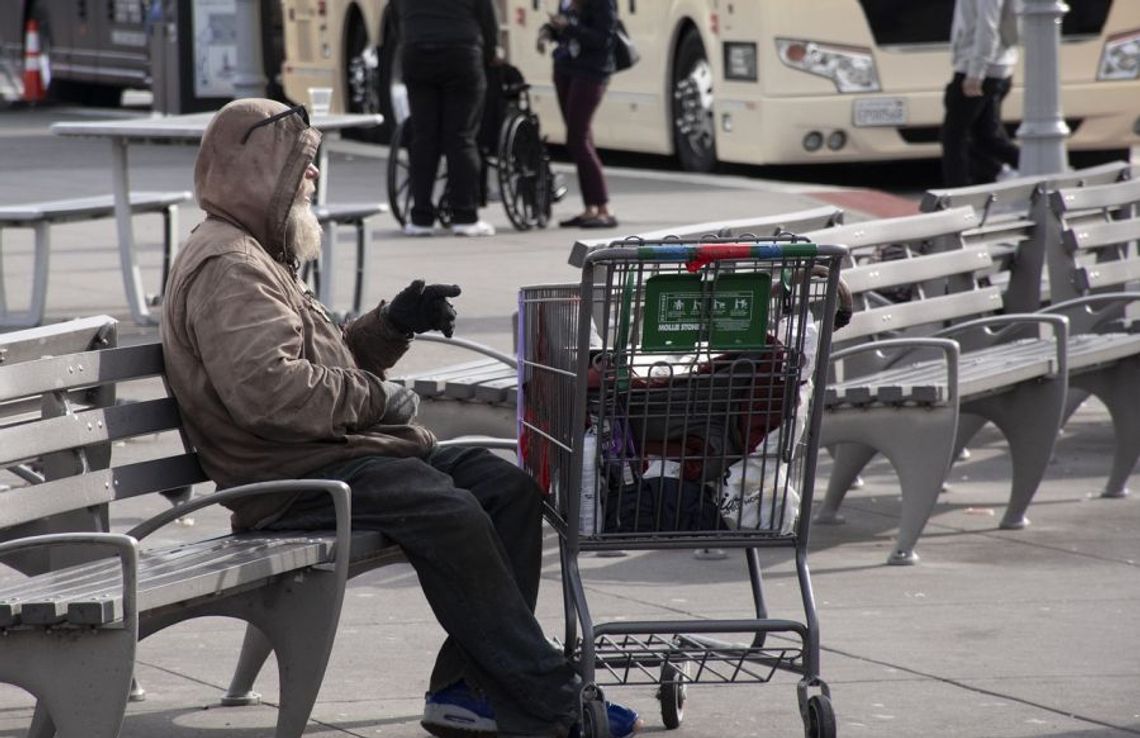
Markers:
574,222
598,221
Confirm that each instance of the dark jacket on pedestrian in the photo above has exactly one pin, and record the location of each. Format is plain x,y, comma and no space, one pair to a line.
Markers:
586,44
448,23
268,386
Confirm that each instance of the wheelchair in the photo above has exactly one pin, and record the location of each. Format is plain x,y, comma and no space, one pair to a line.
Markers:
510,145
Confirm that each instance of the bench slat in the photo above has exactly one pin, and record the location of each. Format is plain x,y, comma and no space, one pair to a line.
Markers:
82,208
898,230
87,427
215,566
908,271
58,373
25,504
1091,350
931,310
1096,196
1105,233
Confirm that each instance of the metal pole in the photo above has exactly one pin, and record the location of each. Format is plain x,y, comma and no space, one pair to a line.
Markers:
248,78
1043,129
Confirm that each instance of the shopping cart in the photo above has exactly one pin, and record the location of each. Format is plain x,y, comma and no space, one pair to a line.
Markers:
669,400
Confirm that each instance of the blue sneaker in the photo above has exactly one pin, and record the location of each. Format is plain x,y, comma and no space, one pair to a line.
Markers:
624,721
458,711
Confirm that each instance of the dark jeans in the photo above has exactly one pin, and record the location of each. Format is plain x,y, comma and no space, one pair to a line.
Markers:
446,87
974,141
579,98
471,525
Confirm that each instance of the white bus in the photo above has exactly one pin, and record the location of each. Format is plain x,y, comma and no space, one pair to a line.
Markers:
756,81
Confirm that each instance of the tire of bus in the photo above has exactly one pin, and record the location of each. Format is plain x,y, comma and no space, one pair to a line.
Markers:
361,78
696,150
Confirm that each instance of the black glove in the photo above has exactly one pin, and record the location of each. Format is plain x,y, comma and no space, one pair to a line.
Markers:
418,309
400,404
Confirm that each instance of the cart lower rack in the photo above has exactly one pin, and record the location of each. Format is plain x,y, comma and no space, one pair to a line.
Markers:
670,399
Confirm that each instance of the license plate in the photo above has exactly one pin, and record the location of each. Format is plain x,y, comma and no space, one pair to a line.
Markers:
880,111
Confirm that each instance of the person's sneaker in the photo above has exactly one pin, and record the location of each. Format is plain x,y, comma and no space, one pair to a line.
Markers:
411,229
624,721
478,228
458,712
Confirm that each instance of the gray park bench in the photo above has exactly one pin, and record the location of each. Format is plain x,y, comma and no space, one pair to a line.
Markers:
69,625
1062,252
40,216
1010,212
901,378
478,397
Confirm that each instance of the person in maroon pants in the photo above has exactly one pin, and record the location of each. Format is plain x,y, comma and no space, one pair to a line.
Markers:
583,62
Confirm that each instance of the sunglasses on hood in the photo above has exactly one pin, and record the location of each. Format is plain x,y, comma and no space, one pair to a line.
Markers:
295,110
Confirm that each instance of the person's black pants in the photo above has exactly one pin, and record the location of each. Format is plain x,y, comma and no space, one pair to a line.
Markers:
974,141
446,87
470,524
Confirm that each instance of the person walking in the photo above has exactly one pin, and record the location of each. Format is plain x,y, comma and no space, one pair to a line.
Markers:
270,387
446,46
583,62
975,146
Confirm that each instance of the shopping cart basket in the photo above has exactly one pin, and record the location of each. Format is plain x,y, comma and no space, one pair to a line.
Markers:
669,400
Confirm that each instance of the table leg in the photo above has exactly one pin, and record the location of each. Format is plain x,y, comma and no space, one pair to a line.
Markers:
132,277
325,286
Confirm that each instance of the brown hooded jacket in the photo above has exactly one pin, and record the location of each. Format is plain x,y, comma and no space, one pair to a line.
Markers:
268,386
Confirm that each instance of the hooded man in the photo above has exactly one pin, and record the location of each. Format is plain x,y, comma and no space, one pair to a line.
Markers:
271,388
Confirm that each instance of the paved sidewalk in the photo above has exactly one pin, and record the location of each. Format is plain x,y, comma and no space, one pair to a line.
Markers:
995,633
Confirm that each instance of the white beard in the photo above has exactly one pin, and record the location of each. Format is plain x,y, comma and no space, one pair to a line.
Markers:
303,232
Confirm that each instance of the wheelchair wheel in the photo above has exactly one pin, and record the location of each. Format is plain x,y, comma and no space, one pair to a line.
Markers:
400,181
523,173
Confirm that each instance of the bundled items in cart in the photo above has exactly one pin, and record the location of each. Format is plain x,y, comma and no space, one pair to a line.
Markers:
698,441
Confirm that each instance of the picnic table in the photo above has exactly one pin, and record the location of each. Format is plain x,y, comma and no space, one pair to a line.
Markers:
177,129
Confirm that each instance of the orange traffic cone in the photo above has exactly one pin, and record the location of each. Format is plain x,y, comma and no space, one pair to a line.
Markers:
34,90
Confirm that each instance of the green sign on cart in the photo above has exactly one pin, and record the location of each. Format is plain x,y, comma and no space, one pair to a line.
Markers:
731,312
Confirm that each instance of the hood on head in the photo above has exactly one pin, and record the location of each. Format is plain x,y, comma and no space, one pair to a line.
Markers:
253,185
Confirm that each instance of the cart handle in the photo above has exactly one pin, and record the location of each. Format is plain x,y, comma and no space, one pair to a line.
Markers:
698,255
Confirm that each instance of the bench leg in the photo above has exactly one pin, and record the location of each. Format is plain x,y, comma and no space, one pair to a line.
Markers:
1115,387
34,315
81,680
919,445
297,615
170,242
255,649
1029,417
848,460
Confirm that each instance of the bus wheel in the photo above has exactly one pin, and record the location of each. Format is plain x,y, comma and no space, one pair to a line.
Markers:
694,128
361,75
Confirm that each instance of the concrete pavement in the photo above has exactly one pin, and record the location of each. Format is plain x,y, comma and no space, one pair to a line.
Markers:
995,633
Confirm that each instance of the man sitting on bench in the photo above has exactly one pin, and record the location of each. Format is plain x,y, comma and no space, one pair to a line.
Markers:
271,388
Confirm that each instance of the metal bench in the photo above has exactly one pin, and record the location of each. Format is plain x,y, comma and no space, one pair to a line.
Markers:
903,396
478,397
70,627
1094,267
40,216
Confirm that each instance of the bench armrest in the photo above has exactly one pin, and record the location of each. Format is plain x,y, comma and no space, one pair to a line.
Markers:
1058,323
339,491
949,348
507,444
1102,302
472,345
125,546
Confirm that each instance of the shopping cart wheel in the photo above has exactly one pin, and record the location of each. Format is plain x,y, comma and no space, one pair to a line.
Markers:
672,696
820,719
595,721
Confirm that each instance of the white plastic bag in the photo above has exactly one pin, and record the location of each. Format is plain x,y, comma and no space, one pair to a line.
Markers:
742,501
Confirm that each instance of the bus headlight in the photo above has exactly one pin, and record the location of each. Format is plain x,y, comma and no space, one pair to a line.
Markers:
1121,57
851,68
